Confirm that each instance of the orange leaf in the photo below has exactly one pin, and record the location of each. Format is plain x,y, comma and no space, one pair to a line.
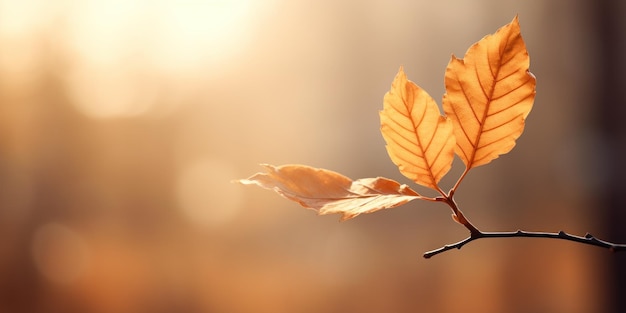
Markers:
419,140
489,93
330,192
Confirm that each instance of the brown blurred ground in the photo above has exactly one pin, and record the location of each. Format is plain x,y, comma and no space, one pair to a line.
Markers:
122,124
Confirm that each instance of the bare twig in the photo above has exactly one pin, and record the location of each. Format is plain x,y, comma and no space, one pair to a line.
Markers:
476,234
587,239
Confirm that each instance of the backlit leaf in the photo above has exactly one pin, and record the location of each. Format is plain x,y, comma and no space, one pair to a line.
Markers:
330,192
419,140
489,94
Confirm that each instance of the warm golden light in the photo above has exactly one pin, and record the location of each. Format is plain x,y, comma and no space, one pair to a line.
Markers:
203,195
124,123
120,48
60,253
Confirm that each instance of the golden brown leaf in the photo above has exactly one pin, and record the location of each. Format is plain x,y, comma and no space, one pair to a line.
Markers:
419,140
330,192
489,93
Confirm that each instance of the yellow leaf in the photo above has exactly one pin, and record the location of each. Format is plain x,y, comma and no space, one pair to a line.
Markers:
419,140
489,93
330,192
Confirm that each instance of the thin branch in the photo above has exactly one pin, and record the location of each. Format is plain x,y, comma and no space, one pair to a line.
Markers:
458,181
587,239
458,216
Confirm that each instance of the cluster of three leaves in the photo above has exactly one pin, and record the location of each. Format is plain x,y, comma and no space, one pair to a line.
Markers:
489,94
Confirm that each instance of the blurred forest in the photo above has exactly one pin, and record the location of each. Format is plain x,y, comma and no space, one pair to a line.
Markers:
122,124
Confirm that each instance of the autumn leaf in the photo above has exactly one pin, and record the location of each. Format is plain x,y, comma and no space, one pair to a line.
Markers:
330,192
489,94
419,140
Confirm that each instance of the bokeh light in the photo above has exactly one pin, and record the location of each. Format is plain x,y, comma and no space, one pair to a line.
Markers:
120,46
124,123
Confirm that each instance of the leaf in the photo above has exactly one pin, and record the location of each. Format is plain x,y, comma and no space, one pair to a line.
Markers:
489,94
419,140
330,192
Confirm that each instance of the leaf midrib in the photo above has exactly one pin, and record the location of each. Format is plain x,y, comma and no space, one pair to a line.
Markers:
419,141
489,100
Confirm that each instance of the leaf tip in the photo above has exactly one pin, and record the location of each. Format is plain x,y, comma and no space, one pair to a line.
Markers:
515,22
401,74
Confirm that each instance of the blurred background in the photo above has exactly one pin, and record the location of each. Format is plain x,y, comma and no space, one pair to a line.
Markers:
122,124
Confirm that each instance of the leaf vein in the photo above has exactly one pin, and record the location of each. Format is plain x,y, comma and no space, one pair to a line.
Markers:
403,146
482,146
511,90
501,124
